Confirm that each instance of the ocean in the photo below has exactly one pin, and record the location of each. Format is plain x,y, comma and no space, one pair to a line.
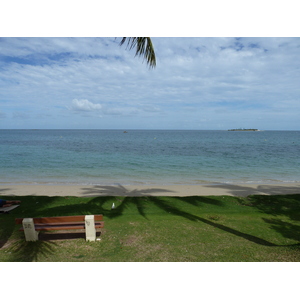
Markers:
144,157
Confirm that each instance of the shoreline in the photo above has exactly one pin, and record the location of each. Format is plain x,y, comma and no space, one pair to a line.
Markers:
242,190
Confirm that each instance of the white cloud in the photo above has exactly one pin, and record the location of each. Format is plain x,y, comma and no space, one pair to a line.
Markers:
194,76
84,105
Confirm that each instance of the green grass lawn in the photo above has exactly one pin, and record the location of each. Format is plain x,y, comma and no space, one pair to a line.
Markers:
144,229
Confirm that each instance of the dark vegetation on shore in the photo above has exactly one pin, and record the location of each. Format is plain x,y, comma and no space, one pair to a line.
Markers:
149,228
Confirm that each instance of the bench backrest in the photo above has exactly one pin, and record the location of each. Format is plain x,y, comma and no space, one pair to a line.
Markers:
66,219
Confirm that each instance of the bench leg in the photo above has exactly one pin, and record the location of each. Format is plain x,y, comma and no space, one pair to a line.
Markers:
90,230
29,230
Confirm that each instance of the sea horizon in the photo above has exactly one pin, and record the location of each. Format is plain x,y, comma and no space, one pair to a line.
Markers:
145,129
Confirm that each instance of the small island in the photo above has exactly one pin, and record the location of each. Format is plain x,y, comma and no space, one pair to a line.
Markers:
251,129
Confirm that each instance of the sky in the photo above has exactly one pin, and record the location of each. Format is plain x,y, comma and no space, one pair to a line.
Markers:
198,83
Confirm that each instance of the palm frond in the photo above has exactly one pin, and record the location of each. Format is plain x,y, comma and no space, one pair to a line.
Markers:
143,46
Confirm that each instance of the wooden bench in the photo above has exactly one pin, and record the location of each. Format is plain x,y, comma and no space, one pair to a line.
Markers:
32,226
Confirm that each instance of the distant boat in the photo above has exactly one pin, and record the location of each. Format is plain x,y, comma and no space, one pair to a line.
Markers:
242,129
125,131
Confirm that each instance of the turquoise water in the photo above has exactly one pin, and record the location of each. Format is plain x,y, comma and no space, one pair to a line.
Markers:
148,157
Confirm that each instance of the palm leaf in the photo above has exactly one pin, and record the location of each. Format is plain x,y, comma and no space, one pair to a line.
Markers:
143,46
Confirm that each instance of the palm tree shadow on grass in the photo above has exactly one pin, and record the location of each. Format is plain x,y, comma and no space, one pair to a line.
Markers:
169,208
286,229
137,197
23,251
98,204
191,217
287,206
6,228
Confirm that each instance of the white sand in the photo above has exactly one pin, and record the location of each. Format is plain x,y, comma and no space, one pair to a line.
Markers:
147,190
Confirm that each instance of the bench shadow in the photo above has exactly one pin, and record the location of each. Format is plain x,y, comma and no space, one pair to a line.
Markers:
64,236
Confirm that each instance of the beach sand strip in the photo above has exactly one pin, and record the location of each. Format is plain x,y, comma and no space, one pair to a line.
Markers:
149,190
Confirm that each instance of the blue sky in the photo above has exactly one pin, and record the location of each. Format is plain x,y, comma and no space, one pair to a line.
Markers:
199,83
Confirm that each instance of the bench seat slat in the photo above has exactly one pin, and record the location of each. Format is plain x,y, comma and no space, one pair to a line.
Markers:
66,219
48,227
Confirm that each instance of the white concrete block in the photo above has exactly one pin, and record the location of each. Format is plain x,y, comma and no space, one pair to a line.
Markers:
90,230
29,230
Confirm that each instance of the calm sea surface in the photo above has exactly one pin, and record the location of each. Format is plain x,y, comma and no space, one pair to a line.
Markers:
148,157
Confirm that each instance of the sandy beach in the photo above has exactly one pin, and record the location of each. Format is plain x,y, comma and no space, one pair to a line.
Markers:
147,190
